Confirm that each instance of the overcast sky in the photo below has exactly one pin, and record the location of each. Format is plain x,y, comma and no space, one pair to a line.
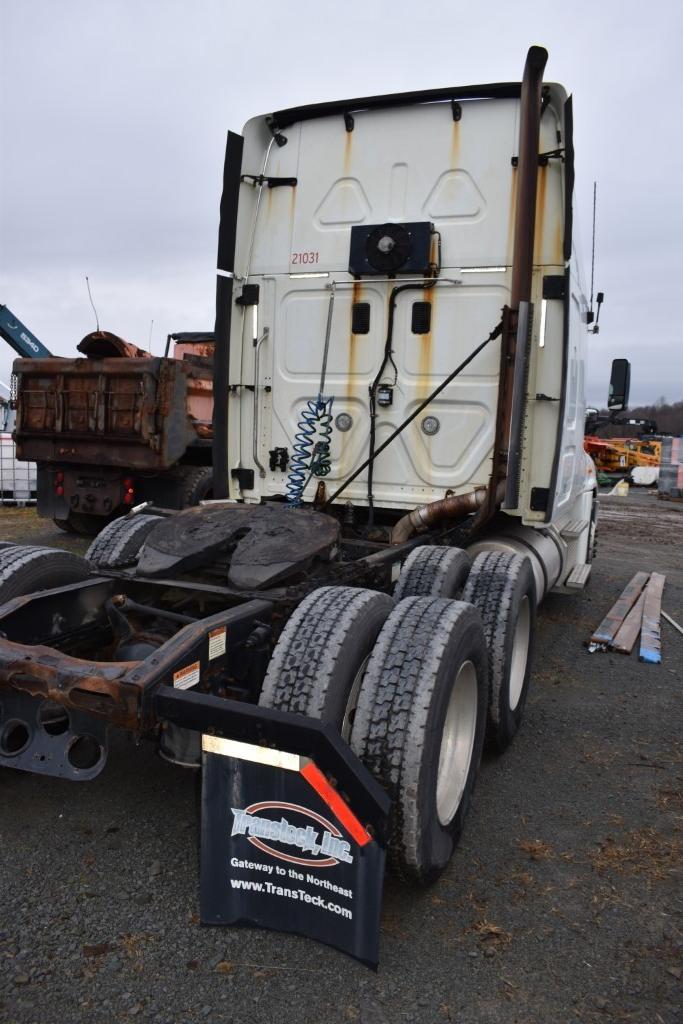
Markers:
113,117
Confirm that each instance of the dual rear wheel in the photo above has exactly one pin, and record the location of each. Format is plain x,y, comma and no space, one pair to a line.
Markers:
410,683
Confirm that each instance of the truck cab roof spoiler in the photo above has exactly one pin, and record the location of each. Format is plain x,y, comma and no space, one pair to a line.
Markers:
281,119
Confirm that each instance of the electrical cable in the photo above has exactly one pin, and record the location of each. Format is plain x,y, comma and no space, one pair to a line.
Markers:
388,358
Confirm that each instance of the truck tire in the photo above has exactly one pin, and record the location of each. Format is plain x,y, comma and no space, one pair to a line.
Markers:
420,725
502,587
318,662
196,486
25,569
433,572
592,544
119,543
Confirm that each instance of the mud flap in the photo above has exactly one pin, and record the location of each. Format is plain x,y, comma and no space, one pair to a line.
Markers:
281,849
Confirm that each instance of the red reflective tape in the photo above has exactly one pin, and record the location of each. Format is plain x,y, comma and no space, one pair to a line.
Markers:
341,810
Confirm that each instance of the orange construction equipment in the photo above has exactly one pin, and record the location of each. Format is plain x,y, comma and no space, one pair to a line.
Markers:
621,454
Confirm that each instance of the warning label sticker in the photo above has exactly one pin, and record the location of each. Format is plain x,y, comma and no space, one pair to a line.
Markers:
217,642
186,677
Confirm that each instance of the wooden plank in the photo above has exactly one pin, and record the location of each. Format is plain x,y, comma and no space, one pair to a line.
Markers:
650,637
627,633
609,626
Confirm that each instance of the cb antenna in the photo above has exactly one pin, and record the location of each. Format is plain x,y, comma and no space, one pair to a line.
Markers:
97,319
595,193
592,318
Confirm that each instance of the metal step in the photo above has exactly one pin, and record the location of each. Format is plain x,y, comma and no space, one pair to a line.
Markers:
574,529
578,577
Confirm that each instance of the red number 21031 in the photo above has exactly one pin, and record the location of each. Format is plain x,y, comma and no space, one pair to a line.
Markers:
305,257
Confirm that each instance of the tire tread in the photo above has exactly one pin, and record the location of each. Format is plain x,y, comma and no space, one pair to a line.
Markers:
301,668
27,568
391,719
119,543
436,571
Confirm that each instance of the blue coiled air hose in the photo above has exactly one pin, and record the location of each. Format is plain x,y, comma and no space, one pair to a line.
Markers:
311,448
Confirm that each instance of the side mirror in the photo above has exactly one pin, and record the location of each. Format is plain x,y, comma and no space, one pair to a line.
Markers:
619,385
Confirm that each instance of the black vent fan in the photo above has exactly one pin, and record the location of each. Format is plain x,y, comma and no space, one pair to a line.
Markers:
389,249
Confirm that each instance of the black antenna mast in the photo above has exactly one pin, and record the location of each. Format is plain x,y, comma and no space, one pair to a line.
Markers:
591,317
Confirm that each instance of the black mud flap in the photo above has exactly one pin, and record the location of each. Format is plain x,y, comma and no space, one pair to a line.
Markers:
285,792
281,849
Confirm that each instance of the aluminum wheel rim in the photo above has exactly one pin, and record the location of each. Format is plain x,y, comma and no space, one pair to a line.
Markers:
520,653
457,743
352,702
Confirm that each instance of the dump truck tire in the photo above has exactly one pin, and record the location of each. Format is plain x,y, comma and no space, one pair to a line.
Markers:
197,485
66,525
433,572
318,662
119,543
85,524
420,724
25,569
502,587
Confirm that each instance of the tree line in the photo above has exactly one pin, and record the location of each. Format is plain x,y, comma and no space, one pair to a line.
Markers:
667,415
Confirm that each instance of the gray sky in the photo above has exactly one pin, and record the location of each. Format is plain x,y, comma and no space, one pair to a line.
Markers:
113,117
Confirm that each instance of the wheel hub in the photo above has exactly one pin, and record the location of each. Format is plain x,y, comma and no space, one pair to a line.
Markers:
457,743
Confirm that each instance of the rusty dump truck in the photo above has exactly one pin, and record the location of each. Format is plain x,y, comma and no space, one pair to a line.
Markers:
399,479
116,427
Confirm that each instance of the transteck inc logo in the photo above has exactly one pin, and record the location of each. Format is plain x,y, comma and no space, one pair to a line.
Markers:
325,843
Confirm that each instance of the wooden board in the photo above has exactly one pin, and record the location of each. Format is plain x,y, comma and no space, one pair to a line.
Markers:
627,633
609,627
650,637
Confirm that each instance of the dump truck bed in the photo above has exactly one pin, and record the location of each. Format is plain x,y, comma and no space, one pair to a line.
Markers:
128,413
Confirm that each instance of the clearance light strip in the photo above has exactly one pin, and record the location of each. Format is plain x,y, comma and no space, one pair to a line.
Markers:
544,310
314,274
250,752
483,270
293,763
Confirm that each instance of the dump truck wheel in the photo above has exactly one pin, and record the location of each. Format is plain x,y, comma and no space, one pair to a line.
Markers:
318,662
25,569
85,524
420,725
66,525
502,587
433,572
120,542
197,485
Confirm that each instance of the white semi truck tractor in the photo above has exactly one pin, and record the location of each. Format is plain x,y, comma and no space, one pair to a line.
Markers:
399,478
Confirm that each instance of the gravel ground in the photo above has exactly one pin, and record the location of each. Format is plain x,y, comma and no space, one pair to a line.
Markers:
559,905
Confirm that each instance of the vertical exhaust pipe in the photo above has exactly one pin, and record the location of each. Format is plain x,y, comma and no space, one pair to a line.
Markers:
527,176
225,265
522,270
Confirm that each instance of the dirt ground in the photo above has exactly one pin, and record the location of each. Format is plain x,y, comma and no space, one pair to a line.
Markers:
561,904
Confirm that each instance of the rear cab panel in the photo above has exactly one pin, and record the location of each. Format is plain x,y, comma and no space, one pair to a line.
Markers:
411,163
